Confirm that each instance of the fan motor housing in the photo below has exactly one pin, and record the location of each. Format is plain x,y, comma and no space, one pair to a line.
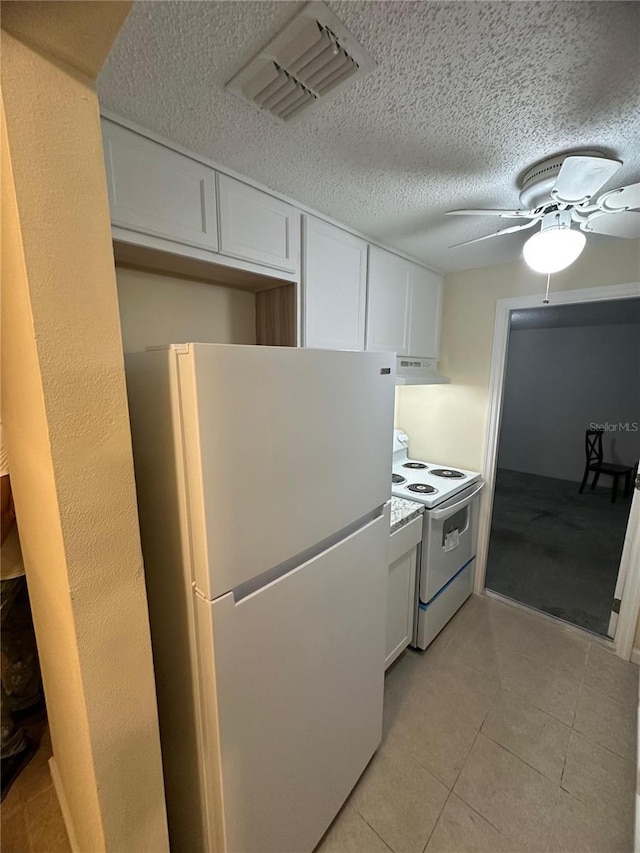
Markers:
537,182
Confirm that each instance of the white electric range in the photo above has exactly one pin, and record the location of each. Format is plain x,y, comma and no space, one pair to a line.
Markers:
448,551
425,482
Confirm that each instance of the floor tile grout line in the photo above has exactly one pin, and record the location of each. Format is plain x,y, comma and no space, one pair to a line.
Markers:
524,698
423,767
373,829
606,748
484,817
497,680
556,626
527,703
553,621
429,773
475,810
605,695
535,659
539,617
553,820
523,760
593,740
437,820
521,655
564,763
584,670
455,782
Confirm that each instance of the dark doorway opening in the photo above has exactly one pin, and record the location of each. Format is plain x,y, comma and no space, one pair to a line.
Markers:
569,368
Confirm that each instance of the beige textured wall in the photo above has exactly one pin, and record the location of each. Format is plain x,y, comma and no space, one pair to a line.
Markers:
162,309
447,423
67,433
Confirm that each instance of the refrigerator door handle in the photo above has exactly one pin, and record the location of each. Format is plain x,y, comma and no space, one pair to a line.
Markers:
257,583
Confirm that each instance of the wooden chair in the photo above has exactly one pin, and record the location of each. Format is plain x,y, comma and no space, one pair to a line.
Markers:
593,449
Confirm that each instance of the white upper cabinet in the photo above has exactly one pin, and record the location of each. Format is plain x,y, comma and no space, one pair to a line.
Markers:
154,190
426,308
334,287
255,226
404,307
389,302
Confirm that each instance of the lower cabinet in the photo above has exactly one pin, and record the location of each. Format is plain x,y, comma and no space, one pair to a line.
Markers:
404,552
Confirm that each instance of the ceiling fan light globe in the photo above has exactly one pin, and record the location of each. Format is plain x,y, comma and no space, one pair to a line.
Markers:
553,249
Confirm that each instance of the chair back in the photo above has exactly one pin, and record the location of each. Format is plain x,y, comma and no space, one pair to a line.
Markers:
593,445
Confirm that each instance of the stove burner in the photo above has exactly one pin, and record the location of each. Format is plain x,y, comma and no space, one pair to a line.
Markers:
420,465
396,478
421,488
447,473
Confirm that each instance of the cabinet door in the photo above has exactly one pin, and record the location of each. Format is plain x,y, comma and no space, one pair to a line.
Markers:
425,309
389,302
335,287
156,191
400,605
255,226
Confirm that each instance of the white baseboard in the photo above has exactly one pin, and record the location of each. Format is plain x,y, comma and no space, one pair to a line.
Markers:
64,806
635,656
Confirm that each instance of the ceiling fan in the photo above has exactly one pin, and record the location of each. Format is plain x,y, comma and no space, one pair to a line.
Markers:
559,193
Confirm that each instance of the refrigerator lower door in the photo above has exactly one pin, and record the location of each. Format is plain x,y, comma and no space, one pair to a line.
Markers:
298,667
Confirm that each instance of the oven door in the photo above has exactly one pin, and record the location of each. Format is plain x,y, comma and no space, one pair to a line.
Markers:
449,541
447,564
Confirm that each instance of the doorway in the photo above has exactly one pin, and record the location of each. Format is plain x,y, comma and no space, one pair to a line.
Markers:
569,368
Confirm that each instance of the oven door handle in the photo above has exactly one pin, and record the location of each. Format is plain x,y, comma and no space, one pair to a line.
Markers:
445,512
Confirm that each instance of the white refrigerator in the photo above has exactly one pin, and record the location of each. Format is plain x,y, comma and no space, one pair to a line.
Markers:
263,482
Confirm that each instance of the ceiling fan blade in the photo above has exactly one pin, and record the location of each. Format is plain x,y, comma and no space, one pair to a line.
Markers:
505,214
624,198
580,177
497,233
626,223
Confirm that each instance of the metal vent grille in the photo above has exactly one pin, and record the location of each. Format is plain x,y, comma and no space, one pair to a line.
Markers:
312,58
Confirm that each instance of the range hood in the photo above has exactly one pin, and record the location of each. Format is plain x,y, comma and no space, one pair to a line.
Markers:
418,371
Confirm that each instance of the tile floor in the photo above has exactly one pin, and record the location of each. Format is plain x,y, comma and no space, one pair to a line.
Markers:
510,733
30,817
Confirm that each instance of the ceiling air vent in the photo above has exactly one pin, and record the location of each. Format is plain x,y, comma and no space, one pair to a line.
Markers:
310,61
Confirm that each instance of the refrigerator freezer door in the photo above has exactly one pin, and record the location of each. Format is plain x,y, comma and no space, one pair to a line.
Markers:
284,448
299,676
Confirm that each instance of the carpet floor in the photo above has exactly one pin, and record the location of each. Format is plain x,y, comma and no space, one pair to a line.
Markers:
556,550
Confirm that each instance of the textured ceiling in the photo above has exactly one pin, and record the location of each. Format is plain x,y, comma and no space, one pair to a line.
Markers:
466,95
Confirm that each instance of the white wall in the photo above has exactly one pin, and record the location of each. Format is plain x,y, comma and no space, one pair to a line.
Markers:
161,309
447,423
558,382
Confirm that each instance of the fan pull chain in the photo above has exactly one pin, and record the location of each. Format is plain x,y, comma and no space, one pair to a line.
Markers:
545,301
